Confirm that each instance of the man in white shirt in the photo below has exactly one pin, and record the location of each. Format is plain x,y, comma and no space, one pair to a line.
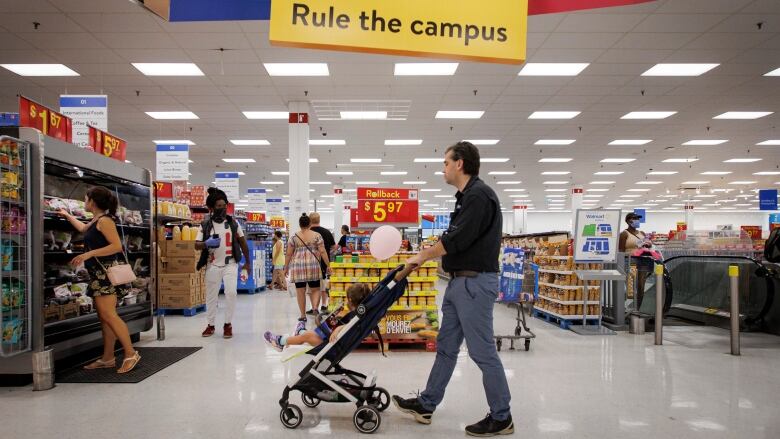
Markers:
222,244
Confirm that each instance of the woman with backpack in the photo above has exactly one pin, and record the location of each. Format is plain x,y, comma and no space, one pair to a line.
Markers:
305,250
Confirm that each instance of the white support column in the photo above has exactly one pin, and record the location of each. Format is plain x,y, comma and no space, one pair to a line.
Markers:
576,203
689,216
520,213
338,210
299,162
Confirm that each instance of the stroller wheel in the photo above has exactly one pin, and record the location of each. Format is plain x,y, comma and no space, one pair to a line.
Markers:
379,398
291,416
310,401
367,419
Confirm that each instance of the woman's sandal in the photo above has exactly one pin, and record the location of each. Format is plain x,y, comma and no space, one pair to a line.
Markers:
100,364
133,362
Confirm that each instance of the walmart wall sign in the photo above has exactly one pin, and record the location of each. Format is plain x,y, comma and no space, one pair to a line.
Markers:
457,29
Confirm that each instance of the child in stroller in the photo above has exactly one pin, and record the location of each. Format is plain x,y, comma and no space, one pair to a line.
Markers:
327,330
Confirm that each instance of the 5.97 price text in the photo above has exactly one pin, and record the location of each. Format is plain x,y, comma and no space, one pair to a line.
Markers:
380,209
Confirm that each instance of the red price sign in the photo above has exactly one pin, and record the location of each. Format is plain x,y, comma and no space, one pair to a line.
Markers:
106,144
277,223
255,217
387,206
48,121
753,231
163,189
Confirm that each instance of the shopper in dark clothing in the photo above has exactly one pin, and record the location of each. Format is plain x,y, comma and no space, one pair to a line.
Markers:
330,247
469,250
343,240
103,250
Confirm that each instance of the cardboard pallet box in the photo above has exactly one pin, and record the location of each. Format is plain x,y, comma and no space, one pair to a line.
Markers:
179,299
179,265
180,249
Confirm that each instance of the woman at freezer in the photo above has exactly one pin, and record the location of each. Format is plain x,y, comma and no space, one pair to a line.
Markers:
104,249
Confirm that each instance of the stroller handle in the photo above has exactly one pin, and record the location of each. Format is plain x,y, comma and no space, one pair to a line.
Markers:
405,271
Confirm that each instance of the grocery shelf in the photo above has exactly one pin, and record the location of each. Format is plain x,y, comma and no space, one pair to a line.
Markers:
569,302
408,293
567,287
559,258
389,265
354,279
423,279
543,270
563,317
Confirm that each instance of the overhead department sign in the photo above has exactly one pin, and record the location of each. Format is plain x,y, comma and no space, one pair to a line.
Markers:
459,29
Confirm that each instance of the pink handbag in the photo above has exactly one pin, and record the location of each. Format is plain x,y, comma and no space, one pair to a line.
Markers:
119,274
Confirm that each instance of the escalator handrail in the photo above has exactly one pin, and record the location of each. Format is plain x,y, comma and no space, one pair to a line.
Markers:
770,290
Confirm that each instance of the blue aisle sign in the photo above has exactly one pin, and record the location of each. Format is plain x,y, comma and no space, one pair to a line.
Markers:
511,282
9,119
767,199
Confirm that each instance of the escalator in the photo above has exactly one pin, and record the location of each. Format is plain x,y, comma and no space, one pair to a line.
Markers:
698,288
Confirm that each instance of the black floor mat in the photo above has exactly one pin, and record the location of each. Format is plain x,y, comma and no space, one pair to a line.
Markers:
152,361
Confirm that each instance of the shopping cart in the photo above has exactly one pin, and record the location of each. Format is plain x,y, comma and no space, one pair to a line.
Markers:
529,290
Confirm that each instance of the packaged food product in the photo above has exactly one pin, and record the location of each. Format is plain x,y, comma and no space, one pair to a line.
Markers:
176,233
7,252
12,330
185,233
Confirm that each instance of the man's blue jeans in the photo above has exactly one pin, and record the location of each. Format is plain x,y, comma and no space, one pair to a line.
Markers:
468,313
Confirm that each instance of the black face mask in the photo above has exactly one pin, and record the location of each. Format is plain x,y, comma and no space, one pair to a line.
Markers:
219,214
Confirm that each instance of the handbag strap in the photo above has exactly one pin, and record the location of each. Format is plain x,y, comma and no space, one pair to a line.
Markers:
124,253
318,258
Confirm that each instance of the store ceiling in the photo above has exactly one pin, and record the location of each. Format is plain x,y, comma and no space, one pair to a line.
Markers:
100,38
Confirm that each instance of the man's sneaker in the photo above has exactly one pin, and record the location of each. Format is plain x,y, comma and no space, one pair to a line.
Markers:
209,331
311,312
413,407
490,427
273,340
300,328
227,330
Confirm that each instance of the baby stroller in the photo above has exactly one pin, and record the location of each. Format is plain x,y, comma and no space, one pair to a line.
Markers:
323,378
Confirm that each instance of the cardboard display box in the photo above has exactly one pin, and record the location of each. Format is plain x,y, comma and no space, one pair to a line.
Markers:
180,299
179,281
180,249
179,265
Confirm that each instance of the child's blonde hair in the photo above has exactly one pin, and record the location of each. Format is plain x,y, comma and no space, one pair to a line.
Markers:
356,293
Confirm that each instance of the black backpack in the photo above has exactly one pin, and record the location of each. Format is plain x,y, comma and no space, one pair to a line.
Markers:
772,246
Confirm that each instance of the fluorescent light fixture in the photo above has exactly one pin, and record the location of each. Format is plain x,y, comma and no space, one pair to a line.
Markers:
617,160
367,182
311,160
508,182
556,182
430,205
775,72
393,173
429,160
554,142
430,190
679,69
554,114
459,114
639,190
363,115
171,115
439,173
410,142
483,141
696,182
280,173
190,161
238,160
555,190
690,160
555,196
365,160
608,173
514,190
630,196
602,182
715,173
743,115
704,196
556,173
767,173
330,142
272,182
297,69
630,142
425,69
704,142
250,142
443,196
168,69
493,160
555,160
662,173
174,142
417,182
743,182
593,196
648,182
552,69
502,173
742,160
40,69
320,183
339,173
769,143
648,115
267,115
128,161
597,190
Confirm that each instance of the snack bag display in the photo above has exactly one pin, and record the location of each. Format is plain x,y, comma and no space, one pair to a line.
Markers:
12,330
7,255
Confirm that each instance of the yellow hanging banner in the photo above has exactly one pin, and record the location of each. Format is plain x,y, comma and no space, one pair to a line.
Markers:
493,31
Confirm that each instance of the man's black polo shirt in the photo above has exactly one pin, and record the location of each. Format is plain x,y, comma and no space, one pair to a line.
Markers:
473,240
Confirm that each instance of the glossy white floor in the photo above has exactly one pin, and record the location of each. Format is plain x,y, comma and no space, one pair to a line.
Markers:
566,386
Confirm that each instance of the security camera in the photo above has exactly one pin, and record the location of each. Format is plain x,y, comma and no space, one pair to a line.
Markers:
324,134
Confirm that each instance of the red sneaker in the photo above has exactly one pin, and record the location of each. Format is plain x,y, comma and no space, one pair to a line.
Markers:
208,332
227,331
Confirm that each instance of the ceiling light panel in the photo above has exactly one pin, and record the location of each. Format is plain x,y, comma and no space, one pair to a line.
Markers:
769,143
174,142
425,69
267,115
554,142
393,173
168,69
555,160
552,69
704,142
297,69
410,142
743,115
443,114
679,69
556,173
258,142
328,142
688,160
630,142
554,114
483,142
662,173
40,69
363,115
640,115
171,115
742,160
617,160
